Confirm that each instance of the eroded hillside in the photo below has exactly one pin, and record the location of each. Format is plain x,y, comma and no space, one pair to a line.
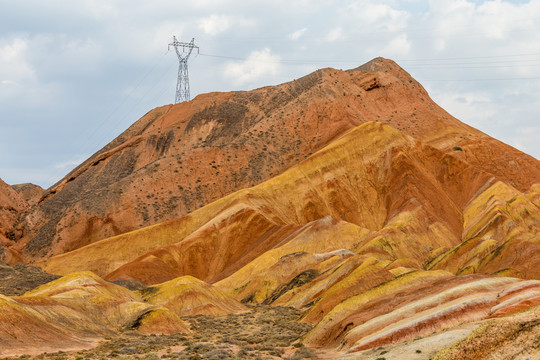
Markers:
347,197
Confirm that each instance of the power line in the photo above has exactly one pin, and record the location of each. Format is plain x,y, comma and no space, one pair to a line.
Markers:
473,57
144,96
128,95
484,79
446,63
419,61
265,61
458,66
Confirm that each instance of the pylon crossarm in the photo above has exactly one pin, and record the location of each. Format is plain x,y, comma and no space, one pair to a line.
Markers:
177,44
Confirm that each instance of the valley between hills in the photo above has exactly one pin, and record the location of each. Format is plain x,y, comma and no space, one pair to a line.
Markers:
340,215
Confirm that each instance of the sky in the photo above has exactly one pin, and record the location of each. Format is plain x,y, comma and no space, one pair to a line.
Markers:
75,74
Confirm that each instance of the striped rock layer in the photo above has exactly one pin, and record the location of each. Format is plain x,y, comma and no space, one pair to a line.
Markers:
347,194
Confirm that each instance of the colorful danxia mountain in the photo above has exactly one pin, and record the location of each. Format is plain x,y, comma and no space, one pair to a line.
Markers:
347,203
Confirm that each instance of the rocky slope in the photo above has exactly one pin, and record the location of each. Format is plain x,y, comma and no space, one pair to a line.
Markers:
178,158
20,278
347,194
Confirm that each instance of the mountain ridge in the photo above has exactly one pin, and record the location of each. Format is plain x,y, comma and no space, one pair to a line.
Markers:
235,140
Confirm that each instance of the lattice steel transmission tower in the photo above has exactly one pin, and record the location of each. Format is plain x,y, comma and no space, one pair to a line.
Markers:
182,86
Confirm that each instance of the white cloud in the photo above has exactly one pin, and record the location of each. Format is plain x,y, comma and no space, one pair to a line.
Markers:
215,24
526,139
14,68
17,75
101,9
9,82
497,19
297,34
398,46
375,15
71,53
470,107
462,22
335,34
259,64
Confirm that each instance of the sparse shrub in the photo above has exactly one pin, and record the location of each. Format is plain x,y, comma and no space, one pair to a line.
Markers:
303,353
202,348
276,352
266,347
217,354
242,353
151,356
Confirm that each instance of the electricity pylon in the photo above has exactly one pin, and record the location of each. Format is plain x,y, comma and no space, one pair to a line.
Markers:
182,85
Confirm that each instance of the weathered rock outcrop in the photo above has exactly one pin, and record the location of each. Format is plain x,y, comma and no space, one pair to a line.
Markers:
12,207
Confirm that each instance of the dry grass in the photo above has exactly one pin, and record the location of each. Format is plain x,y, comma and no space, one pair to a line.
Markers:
263,333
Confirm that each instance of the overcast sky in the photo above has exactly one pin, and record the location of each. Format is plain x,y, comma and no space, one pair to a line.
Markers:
76,73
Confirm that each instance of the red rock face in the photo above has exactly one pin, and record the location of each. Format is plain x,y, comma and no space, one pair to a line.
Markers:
29,192
12,207
178,158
